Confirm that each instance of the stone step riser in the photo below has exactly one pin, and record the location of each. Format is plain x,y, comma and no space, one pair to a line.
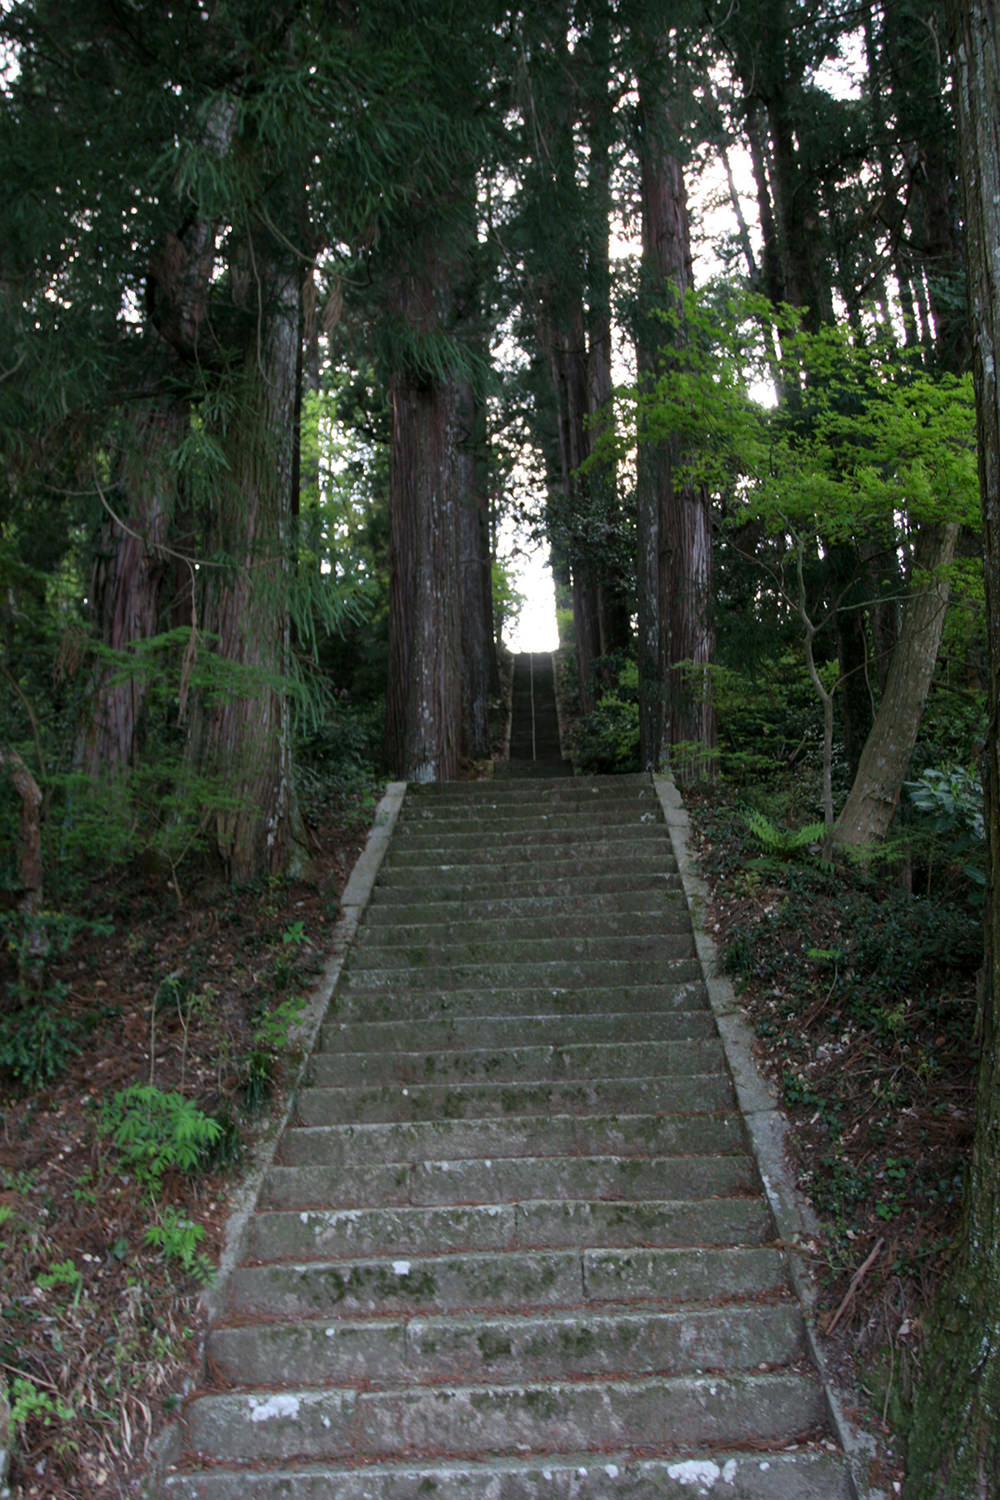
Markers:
616,904
457,933
560,1225
404,889
605,1179
598,855
583,787
651,1415
451,1034
810,1473
571,974
510,1350
504,840
624,1096
507,822
379,1008
649,949
532,1135
520,1065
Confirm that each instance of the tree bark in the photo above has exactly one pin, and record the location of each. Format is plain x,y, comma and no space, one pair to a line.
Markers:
674,535
479,667
127,587
243,732
29,837
424,717
885,759
954,1451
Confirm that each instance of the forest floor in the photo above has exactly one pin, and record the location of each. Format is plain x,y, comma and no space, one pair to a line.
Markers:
105,1243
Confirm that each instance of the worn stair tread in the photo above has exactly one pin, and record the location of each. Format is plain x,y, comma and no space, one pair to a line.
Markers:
355,1003
510,1348
602,1178
542,1224
812,1472
649,1415
446,885
453,931
492,909
564,974
661,944
718,1133
457,1033
521,1064
354,1104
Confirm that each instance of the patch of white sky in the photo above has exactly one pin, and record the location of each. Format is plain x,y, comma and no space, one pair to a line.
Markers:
715,241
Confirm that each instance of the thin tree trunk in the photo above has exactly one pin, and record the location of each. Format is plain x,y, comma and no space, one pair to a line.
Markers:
885,759
954,1450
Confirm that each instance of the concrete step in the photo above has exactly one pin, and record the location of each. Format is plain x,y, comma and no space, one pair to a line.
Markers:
813,1472
549,1224
465,793
384,953
506,819
445,885
512,1136
510,1349
550,835
649,845
608,1179
650,1414
581,905
354,1002
520,1064
347,1104
448,1033
559,974
457,930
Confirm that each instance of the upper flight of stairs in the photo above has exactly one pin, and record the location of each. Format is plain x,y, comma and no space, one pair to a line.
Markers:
515,1244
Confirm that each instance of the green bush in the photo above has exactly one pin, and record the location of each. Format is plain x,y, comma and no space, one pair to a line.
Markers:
156,1132
607,739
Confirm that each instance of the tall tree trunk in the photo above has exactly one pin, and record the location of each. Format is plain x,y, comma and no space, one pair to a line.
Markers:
479,666
424,709
245,732
885,759
674,535
954,1451
127,586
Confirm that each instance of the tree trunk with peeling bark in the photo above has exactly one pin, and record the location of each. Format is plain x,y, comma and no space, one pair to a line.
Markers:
954,1449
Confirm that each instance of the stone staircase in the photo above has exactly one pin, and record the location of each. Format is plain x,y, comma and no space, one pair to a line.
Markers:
515,1244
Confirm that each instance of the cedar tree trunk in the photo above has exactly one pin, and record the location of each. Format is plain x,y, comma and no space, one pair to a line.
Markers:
674,562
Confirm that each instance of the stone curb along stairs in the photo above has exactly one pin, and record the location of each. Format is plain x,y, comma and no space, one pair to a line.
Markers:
513,1241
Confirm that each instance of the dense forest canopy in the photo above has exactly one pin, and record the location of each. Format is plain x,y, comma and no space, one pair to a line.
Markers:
301,304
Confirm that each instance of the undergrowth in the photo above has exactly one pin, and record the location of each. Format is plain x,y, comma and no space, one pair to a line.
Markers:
859,978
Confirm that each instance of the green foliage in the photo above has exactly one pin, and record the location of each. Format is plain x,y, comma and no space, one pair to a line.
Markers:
784,843
39,1039
607,739
177,1239
156,1132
